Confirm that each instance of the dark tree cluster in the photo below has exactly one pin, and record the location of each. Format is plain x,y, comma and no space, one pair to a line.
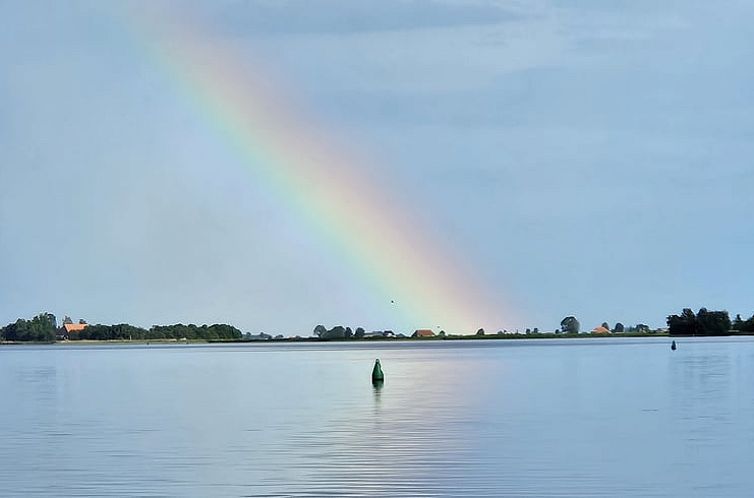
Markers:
570,325
743,325
218,331
41,328
704,322
126,332
122,331
178,331
339,333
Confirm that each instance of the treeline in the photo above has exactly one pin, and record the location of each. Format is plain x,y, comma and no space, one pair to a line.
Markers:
341,333
571,325
707,322
338,333
43,328
125,332
743,325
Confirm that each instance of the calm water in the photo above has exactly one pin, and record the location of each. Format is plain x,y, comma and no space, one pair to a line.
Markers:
590,417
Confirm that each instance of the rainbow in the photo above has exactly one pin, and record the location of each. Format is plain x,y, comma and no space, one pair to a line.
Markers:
323,182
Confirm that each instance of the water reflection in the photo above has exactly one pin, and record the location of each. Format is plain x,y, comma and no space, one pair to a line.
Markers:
377,390
552,418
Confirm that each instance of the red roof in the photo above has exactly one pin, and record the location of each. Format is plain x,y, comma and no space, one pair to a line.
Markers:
424,333
74,327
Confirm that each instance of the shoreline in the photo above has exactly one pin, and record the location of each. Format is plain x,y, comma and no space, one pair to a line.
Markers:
314,340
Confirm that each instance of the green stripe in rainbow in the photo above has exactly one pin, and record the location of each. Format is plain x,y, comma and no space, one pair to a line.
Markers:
375,238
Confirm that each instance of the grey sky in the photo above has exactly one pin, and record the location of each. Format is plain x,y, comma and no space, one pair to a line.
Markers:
586,158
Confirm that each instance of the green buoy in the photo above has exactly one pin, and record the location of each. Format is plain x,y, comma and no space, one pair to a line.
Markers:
377,375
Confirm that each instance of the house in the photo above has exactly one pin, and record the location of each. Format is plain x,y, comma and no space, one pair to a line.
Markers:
421,333
71,330
600,330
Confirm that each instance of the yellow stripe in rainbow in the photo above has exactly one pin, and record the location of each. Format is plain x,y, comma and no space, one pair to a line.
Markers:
374,236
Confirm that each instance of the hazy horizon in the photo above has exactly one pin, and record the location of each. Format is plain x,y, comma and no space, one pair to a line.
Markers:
589,160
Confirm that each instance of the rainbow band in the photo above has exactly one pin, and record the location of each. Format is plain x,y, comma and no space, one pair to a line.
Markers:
323,184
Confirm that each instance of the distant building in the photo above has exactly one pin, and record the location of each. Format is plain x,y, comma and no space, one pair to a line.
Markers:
600,330
71,330
379,334
423,333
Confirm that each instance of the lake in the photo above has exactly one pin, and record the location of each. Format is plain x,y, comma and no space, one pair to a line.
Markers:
569,417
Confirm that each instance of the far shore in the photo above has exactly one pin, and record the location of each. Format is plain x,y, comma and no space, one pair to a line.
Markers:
316,340
360,341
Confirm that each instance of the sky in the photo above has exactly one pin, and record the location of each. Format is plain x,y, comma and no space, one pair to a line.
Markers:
572,158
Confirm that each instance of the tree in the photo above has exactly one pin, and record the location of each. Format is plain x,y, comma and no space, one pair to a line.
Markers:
535,331
683,324
41,328
319,330
606,325
570,325
336,333
359,334
713,322
349,333
480,332
121,331
738,322
703,323
180,331
619,328
747,325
